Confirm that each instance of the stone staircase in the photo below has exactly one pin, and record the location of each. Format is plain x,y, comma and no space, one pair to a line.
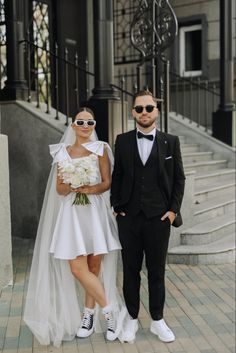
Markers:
211,237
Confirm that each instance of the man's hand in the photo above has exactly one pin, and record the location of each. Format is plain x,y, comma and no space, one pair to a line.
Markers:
120,213
171,215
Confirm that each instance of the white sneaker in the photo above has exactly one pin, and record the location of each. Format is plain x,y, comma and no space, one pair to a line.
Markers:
160,329
130,330
111,334
87,323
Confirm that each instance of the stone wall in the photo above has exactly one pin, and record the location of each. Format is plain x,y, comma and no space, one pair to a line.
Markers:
29,132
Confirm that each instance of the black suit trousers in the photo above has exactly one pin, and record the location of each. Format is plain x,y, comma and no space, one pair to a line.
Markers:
141,236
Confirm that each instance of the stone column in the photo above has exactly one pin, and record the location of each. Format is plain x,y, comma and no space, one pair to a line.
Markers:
224,119
103,93
16,84
103,49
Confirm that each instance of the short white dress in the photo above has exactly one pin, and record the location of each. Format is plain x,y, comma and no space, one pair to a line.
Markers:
84,229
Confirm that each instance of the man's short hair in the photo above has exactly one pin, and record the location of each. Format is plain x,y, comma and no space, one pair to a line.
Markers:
143,93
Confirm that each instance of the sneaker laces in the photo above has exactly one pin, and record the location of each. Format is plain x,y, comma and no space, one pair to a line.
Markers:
110,322
87,321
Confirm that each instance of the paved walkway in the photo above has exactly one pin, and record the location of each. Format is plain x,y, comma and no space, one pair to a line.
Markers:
200,308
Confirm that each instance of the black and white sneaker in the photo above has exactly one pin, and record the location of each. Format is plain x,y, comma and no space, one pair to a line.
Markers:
87,324
111,332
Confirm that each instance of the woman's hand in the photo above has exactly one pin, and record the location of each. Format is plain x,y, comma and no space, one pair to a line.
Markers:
87,189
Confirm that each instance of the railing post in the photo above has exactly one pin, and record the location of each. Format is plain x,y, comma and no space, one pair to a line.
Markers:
76,82
87,79
66,86
139,76
47,81
28,65
161,104
36,72
176,95
206,106
166,95
198,101
213,96
183,98
56,81
122,102
190,99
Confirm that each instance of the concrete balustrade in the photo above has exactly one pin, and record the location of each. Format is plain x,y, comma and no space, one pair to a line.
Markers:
6,274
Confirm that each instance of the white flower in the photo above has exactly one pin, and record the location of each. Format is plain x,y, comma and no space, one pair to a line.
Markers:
79,172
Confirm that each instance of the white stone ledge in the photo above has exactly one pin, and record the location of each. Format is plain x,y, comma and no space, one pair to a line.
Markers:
6,274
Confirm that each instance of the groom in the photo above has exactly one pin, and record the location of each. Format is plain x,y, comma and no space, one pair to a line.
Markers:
146,194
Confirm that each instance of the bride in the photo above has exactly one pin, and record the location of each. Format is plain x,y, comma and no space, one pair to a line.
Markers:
75,256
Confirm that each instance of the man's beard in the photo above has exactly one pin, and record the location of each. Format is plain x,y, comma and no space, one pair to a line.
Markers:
146,124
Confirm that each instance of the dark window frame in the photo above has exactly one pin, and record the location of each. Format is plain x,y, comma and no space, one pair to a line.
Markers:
191,21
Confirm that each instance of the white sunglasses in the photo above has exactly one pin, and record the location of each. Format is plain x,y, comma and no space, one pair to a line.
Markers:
80,123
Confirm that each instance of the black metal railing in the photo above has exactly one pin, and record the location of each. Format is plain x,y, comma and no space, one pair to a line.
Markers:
195,99
192,98
125,96
45,87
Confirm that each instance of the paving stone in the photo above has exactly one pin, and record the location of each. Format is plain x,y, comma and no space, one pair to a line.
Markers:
200,304
230,328
188,345
4,308
11,343
231,316
26,338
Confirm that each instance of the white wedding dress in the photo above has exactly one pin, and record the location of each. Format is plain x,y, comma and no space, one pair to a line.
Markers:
55,300
83,229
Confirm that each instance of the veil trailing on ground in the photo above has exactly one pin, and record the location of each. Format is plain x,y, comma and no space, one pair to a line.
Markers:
54,299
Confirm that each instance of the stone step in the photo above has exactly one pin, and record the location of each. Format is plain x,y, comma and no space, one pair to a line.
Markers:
208,231
218,252
189,147
182,139
195,157
214,207
207,192
214,176
205,166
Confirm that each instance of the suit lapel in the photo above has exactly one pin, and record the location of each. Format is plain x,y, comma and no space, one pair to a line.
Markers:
161,149
131,143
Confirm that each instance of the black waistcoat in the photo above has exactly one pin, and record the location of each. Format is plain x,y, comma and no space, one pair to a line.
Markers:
146,194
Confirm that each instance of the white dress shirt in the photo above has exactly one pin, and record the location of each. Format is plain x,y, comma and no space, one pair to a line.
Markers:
145,145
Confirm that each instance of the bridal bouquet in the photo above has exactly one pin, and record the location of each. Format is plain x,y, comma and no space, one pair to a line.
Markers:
79,172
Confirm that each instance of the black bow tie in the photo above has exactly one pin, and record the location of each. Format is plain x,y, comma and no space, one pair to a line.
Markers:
149,137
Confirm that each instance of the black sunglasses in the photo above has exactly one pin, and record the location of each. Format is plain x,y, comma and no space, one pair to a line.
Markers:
79,122
148,108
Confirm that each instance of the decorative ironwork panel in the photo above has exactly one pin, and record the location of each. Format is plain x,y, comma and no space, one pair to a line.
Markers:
123,15
3,57
154,28
40,28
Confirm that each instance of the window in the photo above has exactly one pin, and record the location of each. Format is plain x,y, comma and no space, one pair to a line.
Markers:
190,50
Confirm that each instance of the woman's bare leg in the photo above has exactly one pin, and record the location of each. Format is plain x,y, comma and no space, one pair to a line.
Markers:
90,282
94,264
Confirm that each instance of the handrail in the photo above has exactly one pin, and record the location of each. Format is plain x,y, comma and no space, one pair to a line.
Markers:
56,56
194,82
192,98
42,84
195,99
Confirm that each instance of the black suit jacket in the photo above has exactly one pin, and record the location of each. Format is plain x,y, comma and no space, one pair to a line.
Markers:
170,177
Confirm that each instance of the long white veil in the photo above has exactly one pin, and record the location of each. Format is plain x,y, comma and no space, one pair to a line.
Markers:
54,300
